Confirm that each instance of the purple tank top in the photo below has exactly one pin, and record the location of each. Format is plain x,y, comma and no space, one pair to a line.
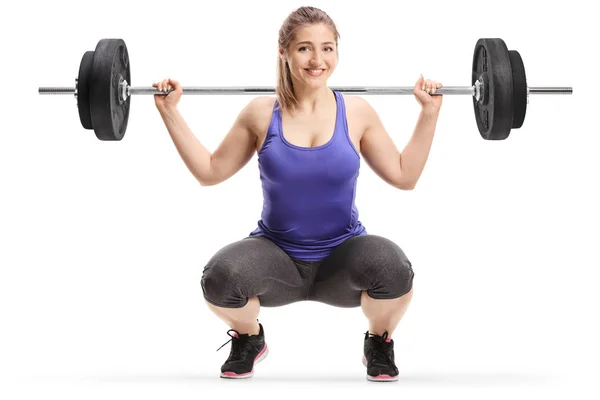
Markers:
309,192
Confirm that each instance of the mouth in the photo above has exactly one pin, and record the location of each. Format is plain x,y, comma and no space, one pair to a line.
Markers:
314,72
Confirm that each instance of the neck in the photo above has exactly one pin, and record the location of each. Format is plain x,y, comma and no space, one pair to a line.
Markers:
309,99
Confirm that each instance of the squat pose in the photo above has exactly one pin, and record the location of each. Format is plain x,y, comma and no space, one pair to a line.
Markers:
309,243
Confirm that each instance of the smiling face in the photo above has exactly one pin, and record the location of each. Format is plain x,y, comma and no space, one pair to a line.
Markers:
312,56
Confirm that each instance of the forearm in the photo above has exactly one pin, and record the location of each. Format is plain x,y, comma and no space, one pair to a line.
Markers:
415,154
195,156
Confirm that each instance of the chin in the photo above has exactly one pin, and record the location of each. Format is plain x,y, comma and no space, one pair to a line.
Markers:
317,83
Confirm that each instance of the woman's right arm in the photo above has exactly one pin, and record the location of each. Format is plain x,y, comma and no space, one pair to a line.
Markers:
234,151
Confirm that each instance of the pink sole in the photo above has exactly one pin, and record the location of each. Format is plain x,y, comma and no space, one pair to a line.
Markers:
379,378
232,375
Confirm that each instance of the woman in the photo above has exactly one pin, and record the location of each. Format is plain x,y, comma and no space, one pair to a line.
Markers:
309,243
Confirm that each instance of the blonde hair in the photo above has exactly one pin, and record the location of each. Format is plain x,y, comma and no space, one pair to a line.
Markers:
284,89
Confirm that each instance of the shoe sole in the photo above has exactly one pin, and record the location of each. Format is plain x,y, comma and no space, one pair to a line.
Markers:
379,378
232,375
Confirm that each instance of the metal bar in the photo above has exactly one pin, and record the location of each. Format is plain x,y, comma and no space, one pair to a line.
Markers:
447,90
391,90
550,90
56,90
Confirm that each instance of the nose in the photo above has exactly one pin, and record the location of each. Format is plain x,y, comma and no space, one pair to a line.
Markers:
317,57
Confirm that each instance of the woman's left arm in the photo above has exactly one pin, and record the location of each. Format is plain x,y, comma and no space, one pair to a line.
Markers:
402,169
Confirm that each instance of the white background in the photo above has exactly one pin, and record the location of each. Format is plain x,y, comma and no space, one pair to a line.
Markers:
103,243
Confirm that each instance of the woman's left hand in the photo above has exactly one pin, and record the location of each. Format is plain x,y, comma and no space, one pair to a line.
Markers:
424,89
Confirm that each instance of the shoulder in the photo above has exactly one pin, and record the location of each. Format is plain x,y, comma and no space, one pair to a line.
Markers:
262,102
259,106
357,105
359,110
258,112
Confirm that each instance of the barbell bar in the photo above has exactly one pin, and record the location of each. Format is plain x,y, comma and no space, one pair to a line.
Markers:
499,89
373,90
237,90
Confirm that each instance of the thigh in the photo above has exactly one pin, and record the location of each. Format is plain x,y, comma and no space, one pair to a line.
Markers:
365,262
253,266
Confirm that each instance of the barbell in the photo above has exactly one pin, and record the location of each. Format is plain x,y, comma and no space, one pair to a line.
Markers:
498,88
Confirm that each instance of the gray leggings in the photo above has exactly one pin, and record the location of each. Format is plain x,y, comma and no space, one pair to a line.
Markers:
256,266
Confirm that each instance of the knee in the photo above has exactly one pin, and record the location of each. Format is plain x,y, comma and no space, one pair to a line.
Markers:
390,267
396,270
222,284
398,276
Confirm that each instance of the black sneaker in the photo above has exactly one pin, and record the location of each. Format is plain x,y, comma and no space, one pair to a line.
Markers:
246,351
379,358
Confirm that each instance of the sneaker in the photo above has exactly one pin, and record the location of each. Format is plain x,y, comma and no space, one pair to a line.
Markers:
246,351
379,358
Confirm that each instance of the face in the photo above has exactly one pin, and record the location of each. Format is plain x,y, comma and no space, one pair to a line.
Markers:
312,55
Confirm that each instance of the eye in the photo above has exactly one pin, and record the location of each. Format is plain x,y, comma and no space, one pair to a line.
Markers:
330,48
300,49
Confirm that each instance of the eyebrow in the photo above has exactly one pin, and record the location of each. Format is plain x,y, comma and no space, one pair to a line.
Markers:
307,42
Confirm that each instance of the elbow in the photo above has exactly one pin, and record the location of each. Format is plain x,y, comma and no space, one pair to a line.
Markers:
405,180
207,183
406,185
204,181
207,179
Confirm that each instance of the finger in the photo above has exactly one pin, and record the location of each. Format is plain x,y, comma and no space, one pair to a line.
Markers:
419,82
428,86
434,87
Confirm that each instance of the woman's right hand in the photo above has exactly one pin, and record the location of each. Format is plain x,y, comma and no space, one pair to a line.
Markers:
170,100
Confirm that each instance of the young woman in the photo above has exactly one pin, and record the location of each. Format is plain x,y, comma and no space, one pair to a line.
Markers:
309,243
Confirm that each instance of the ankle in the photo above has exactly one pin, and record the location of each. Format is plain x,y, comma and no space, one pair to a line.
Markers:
250,328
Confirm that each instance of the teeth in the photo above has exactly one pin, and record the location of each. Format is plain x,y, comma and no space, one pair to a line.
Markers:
315,70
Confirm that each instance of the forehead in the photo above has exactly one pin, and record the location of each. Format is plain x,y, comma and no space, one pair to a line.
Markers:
316,33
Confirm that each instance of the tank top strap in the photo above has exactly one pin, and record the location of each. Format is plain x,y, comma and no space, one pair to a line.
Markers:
341,127
342,123
275,118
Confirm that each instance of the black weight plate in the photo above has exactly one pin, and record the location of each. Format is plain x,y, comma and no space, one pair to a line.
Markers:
494,112
109,114
83,89
519,88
